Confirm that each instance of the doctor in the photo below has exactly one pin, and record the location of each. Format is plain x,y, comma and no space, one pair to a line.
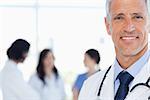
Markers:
13,85
127,23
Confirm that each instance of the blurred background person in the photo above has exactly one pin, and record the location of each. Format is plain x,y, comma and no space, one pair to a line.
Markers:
13,85
91,61
47,81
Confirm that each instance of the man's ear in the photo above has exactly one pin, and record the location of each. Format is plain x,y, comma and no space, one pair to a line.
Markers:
107,24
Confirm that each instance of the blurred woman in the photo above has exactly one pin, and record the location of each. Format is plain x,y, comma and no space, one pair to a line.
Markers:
91,61
47,80
14,86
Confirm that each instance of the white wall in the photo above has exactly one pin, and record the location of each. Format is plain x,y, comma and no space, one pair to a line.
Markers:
70,27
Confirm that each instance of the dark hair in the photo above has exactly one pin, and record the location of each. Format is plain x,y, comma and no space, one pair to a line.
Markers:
94,54
40,66
17,49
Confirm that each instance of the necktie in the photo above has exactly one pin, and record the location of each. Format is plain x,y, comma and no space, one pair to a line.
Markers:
125,78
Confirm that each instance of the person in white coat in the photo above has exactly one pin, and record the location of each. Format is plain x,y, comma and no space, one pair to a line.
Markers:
47,81
13,85
127,23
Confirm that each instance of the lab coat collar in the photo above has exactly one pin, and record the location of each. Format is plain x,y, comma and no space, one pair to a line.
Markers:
142,76
11,62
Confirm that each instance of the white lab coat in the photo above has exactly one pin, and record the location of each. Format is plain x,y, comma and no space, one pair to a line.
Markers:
53,90
92,84
13,85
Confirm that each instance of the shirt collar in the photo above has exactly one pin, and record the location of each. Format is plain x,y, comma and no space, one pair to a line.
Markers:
134,68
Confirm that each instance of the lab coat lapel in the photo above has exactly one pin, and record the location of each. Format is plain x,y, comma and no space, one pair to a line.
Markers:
142,76
107,92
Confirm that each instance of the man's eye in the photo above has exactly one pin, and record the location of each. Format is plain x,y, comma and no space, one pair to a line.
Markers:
138,17
118,18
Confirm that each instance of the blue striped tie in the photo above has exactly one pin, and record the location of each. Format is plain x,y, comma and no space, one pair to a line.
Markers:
125,78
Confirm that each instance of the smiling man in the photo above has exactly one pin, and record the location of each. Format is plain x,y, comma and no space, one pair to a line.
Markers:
127,23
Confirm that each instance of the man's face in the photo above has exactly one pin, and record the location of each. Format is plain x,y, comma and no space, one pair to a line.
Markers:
128,26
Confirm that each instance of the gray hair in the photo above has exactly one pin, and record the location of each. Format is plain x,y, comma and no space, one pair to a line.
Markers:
108,3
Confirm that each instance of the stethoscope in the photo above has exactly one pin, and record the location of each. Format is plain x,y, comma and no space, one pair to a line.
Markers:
139,84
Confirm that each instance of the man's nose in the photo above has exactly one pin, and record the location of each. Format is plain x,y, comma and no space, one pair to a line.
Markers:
129,26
